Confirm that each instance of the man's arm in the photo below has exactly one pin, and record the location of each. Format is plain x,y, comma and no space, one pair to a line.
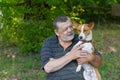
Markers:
56,64
93,59
96,60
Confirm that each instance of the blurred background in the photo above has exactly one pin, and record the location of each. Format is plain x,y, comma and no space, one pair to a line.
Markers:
25,24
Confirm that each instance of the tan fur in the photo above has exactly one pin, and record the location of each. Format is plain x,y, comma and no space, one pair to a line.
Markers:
88,27
98,74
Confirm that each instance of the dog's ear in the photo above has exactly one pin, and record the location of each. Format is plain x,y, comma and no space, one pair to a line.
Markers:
91,25
75,24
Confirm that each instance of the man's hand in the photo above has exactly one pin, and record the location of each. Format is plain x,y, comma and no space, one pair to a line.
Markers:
77,52
85,57
93,59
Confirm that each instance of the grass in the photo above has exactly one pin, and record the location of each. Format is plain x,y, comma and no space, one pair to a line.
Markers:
14,66
107,39
20,67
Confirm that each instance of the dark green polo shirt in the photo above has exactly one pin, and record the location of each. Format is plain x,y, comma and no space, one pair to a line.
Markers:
52,49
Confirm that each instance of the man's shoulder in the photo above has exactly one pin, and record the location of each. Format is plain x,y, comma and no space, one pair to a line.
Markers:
51,39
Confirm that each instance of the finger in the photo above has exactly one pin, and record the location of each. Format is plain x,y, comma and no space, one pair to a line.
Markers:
76,46
80,47
82,54
85,52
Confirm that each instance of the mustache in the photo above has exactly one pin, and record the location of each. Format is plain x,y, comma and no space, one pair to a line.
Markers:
70,33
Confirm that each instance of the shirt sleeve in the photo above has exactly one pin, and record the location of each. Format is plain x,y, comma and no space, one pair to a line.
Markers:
46,53
97,53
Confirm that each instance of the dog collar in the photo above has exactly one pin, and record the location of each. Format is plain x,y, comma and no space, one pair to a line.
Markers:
86,41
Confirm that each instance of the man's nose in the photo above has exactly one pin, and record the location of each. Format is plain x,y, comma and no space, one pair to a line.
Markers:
70,29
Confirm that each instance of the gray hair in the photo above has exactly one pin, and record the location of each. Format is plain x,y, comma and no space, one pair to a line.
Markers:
60,19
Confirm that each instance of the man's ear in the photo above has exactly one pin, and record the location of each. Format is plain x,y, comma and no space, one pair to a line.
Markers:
91,25
56,32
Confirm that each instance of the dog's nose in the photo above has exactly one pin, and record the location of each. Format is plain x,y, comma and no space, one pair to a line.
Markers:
80,37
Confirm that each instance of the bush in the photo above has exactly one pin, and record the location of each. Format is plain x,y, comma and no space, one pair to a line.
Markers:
31,35
26,23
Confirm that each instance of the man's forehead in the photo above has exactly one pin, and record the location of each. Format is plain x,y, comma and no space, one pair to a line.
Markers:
64,24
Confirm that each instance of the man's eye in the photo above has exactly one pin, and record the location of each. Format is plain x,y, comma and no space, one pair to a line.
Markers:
65,29
70,26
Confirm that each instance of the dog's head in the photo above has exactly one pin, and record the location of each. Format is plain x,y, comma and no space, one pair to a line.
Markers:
84,30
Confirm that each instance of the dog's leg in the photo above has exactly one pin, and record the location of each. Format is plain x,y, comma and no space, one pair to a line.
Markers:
78,44
90,75
98,74
89,72
79,66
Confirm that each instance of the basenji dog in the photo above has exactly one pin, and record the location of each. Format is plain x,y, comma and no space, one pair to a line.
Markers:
85,40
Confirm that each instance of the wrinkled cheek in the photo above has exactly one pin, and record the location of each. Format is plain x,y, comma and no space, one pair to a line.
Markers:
63,36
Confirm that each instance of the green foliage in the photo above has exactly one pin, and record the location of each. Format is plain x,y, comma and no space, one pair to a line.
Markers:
31,35
28,67
26,23
28,35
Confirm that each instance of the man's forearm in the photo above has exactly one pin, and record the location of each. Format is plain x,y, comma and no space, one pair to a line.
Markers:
56,64
97,61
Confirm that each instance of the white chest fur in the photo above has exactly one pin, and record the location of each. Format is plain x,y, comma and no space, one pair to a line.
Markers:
89,72
86,46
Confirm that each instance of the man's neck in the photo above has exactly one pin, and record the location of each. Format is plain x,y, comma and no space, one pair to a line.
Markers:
65,44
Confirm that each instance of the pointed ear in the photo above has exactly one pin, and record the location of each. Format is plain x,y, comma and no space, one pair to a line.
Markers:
75,24
91,25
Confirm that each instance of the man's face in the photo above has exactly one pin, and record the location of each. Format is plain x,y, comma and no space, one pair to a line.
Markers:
65,31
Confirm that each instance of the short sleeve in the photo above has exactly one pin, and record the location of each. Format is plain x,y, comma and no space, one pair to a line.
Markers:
46,53
96,52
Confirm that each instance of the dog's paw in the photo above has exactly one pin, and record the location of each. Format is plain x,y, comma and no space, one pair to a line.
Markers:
78,68
51,59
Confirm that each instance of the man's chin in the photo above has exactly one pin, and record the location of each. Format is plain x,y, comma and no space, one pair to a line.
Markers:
69,38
